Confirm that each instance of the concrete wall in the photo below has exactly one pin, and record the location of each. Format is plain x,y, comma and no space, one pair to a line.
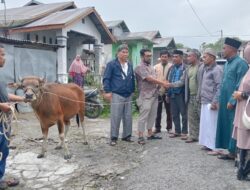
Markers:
88,28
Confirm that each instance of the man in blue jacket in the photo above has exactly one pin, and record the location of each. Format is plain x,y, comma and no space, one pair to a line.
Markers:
119,85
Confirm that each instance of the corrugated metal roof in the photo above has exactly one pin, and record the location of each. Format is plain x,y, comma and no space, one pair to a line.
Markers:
115,23
28,43
60,17
162,42
149,35
26,14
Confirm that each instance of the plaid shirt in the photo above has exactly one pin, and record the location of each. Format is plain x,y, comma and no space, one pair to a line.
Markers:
175,75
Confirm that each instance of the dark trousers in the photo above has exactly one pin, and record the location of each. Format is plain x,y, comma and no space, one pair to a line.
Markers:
178,107
162,100
243,162
4,150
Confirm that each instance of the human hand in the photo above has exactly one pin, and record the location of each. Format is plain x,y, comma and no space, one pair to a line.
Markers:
107,96
230,106
166,84
214,106
237,95
5,107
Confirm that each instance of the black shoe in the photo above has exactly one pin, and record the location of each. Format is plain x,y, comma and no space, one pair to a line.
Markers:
226,157
152,137
127,139
157,131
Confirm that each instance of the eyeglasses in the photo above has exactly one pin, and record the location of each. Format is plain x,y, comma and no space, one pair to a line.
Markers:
148,55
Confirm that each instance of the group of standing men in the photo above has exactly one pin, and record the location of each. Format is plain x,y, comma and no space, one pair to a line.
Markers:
200,92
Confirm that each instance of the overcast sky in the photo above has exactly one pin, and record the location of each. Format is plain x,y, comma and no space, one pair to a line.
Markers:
173,18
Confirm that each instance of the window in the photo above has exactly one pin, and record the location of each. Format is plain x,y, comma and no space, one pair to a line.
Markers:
37,38
44,39
28,36
50,40
83,21
56,41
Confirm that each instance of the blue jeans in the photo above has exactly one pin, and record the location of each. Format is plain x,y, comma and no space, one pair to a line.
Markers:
4,149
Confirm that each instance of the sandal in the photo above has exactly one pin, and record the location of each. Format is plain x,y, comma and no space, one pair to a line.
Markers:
173,135
141,141
213,153
152,137
11,182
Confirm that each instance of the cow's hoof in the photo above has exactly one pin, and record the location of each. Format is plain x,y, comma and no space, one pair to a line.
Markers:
40,156
85,143
67,157
58,147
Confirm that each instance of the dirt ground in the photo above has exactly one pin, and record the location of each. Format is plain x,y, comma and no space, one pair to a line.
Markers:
96,162
158,165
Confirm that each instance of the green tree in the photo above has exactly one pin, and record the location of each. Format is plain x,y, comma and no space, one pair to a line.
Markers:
217,46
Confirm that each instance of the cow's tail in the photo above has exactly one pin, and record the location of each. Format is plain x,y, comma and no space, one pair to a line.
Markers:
77,120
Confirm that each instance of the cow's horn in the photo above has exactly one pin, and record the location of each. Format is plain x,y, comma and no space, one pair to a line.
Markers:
19,78
44,77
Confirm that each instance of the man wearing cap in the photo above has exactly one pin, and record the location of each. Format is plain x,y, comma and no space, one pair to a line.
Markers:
119,85
176,96
189,79
209,89
162,70
234,69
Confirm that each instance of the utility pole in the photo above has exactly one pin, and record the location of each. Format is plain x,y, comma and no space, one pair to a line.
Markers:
5,19
221,37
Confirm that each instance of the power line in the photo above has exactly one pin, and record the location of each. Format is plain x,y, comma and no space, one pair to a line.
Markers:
202,24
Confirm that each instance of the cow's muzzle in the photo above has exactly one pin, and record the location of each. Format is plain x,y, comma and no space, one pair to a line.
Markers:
29,96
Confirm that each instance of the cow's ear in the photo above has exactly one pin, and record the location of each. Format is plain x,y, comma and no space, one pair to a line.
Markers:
14,85
42,81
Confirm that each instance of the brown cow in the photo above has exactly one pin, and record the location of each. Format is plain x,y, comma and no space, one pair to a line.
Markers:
55,104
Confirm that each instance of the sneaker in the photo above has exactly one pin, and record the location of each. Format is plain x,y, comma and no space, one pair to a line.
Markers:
112,143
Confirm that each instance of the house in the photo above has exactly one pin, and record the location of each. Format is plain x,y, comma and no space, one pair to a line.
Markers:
136,41
75,30
161,44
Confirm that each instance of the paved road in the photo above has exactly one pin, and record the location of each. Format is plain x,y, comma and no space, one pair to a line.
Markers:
159,165
172,164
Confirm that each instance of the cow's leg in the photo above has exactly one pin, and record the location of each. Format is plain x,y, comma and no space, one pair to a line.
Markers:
67,125
85,142
62,138
81,116
45,130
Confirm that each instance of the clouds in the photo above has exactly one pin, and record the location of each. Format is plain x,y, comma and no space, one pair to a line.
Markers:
173,17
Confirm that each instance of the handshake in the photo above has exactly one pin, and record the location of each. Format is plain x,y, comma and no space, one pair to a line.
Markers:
166,84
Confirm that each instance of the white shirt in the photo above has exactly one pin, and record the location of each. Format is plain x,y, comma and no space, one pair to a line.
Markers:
125,69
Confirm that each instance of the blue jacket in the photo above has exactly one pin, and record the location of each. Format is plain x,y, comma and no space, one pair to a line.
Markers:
113,80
